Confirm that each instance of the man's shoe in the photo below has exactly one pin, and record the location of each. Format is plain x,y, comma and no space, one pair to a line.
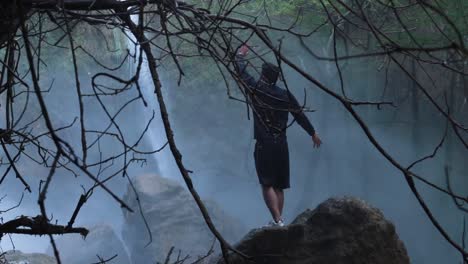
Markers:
273,223
280,223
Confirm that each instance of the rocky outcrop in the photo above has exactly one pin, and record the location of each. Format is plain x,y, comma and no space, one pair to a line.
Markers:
174,220
101,241
18,257
338,231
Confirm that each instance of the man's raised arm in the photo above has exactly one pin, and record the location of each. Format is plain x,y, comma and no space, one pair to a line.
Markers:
241,66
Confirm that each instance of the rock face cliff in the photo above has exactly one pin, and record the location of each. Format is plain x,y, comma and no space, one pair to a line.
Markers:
174,220
338,231
101,240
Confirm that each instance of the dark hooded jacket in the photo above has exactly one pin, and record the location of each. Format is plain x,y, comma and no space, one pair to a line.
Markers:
271,105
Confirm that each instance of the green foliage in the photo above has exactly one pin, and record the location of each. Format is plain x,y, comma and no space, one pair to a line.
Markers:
105,44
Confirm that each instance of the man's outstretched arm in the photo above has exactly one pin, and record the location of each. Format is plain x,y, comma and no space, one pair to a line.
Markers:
302,120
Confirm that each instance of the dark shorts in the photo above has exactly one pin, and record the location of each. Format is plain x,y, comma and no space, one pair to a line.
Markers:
272,163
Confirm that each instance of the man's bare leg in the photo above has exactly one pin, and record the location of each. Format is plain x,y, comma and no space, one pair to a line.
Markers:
272,202
280,196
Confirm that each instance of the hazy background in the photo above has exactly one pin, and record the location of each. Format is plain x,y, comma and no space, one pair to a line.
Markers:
216,139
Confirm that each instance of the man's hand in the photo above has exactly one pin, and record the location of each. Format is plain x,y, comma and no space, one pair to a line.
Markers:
243,50
317,141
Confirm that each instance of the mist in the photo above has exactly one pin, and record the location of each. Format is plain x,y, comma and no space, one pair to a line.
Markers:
215,136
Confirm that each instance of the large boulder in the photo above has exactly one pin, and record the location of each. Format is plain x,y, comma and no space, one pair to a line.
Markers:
18,257
101,241
339,231
174,220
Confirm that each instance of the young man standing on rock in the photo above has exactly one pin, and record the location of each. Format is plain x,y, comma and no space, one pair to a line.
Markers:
271,106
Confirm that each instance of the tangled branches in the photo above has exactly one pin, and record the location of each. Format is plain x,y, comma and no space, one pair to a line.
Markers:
383,31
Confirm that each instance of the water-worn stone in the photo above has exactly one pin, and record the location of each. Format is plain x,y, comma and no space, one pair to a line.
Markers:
101,241
18,257
339,231
174,220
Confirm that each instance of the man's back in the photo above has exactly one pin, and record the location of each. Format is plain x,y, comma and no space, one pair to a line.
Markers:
271,106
